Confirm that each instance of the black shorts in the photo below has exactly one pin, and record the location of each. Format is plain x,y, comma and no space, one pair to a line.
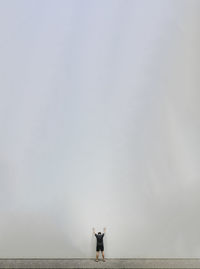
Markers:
100,247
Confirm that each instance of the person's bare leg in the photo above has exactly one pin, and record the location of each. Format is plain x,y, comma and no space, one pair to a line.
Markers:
97,256
103,255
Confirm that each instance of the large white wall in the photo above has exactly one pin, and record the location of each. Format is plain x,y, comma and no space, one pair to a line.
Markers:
100,126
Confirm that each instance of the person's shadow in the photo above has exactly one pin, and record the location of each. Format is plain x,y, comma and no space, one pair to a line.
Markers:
93,246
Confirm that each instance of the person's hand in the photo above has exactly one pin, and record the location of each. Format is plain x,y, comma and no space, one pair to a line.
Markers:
93,229
104,229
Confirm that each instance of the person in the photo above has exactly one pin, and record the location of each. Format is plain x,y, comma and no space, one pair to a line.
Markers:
100,245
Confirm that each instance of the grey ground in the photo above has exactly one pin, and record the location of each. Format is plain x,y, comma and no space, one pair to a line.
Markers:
90,263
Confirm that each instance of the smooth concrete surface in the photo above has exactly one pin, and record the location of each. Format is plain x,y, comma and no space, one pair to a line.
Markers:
99,99
91,263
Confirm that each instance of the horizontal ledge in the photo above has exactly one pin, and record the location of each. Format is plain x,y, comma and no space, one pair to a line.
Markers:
110,263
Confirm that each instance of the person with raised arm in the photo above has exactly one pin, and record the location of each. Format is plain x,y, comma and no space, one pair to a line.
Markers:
99,245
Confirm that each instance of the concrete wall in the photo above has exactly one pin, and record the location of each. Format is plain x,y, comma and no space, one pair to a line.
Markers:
99,127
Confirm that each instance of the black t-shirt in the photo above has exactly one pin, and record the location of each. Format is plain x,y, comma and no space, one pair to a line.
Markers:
99,239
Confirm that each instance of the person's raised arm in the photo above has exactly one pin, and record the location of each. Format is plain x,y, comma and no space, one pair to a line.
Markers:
104,230
93,229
